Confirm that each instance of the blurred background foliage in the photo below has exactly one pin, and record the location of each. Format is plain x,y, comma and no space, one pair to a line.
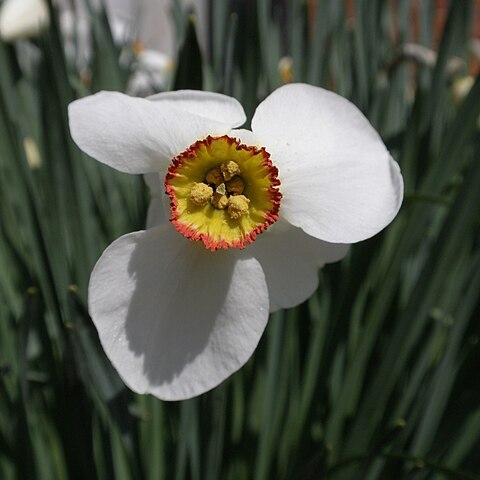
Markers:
375,377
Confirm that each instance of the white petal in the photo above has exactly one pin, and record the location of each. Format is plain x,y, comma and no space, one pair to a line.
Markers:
174,318
339,183
215,106
158,210
154,183
290,260
246,137
135,135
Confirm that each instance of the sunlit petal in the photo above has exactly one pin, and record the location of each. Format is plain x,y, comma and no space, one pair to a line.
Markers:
290,260
136,135
174,319
339,182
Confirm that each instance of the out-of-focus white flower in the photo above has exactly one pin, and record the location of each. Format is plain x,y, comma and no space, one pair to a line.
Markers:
253,215
20,19
123,18
75,24
152,72
156,28
75,27
147,23
420,54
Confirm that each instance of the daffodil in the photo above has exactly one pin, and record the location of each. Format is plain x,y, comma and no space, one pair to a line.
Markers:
20,19
247,219
152,71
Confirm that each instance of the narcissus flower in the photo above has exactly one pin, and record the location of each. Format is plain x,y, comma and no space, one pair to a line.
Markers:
20,19
152,71
248,219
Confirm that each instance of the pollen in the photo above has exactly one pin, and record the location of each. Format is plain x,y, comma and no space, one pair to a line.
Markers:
229,170
222,192
200,194
238,206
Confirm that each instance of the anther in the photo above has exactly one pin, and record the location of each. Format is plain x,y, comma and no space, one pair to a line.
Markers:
235,186
200,194
214,176
219,201
229,170
238,206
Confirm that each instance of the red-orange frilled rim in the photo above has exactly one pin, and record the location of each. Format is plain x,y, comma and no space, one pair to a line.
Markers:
222,192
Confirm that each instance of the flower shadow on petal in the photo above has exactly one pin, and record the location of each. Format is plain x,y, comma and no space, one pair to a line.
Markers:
173,314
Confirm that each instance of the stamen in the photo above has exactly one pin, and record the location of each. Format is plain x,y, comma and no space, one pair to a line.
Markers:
229,170
238,206
215,176
219,201
200,194
235,186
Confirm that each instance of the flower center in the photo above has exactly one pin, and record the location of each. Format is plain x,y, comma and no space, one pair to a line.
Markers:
222,192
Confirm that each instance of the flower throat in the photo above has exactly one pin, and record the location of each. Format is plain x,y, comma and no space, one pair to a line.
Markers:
222,192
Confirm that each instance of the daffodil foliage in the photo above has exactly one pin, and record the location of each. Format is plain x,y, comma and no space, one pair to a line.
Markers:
249,254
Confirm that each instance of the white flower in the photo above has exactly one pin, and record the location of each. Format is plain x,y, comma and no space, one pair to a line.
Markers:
152,71
178,308
20,19
76,22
